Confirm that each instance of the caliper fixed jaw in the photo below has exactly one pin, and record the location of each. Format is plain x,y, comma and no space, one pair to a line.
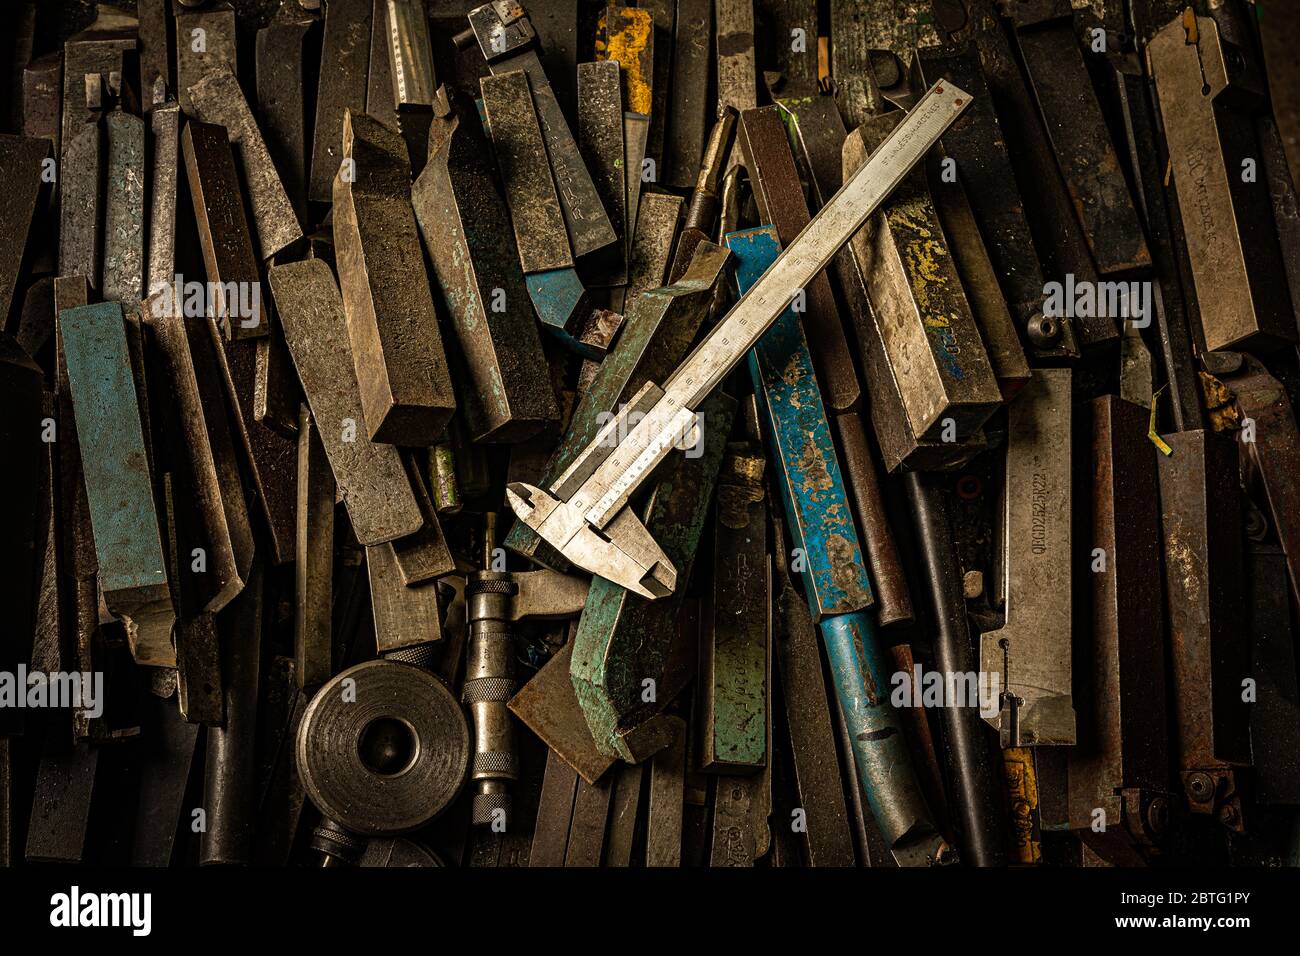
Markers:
624,553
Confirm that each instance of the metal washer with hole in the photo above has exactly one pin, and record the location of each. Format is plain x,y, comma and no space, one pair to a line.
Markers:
332,739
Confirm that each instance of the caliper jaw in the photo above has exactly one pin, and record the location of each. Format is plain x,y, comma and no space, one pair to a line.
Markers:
625,552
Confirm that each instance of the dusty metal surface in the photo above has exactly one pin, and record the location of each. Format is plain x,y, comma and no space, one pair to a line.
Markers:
65,785
691,67
42,97
1032,648
979,280
624,805
276,394
122,275
652,242
737,78
587,829
1084,152
512,50
345,60
898,445
1121,763
164,124
926,324
554,813
426,554
792,42
230,265
521,156
465,225
762,138
1169,305
986,172
223,232
313,559
217,98
98,53
548,706
280,61
80,204
1204,599
735,646
585,286
380,101
405,615
21,161
1231,243
406,389
154,50
851,71
667,783
192,376
205,41
827,840
370,476
600,139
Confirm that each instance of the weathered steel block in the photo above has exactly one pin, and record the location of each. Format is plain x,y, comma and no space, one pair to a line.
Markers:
406,388
465,226
371,478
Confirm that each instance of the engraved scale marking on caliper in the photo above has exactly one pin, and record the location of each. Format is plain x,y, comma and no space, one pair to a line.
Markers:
567,524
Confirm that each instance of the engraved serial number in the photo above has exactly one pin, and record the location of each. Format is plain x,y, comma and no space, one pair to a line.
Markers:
1038,514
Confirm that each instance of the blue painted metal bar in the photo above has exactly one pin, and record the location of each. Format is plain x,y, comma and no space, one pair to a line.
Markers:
560,301
834,575
115,460
812,487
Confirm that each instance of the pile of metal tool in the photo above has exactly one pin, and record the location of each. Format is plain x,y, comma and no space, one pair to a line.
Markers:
700,433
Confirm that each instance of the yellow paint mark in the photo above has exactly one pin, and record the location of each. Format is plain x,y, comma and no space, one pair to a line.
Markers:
1220,404
1151,427
1021,782
627,46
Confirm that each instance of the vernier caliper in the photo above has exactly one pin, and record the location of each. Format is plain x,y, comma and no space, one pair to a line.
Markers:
584,513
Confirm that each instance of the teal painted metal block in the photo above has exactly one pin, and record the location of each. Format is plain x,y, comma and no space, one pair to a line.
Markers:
560,301
859,670
119,490
624,639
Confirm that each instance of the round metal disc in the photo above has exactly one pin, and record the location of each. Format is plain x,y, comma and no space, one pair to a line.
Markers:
398,852
383,748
